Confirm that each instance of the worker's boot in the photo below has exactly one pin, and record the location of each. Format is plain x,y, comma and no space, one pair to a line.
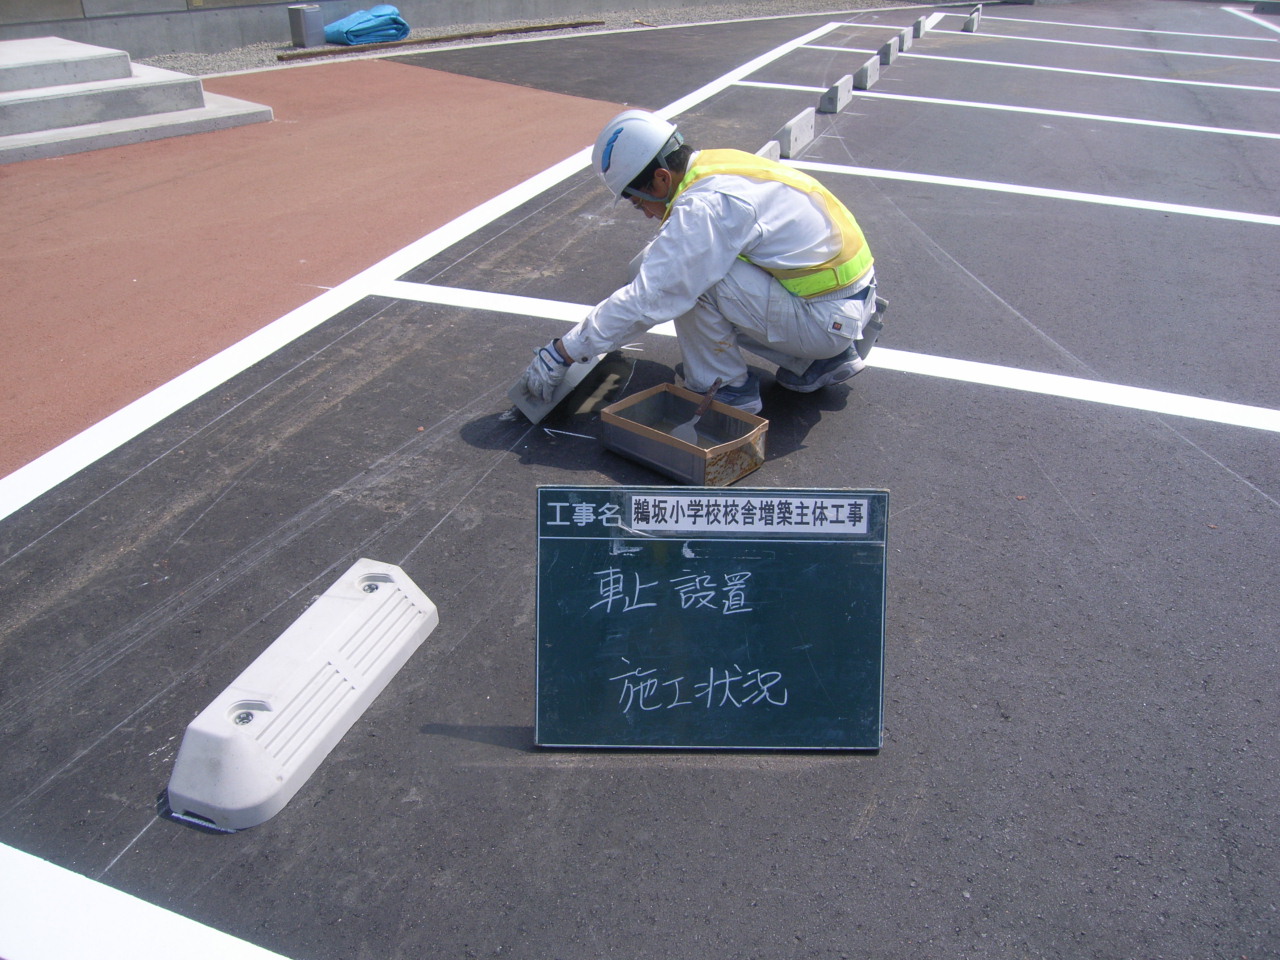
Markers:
745,398
822,373
841,367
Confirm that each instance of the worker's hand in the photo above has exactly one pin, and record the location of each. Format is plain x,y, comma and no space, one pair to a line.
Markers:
545,373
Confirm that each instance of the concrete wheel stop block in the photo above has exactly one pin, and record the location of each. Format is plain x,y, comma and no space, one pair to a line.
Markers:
246,754
866,76
838,96
797,133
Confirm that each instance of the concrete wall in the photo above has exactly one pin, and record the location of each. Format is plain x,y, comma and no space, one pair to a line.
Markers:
147,28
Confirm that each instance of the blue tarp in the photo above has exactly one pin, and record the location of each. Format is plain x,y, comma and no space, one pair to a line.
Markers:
375,25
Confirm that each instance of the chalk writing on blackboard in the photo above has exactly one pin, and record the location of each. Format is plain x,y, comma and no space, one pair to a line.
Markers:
646,689
613,588
583,514
729,596
694,591
735,618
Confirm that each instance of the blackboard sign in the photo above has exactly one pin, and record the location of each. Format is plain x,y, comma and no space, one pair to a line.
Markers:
704,617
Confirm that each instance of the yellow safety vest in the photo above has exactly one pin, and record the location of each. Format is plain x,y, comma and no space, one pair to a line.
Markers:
854,257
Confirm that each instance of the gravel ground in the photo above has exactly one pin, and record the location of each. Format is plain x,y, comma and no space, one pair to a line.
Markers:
261,56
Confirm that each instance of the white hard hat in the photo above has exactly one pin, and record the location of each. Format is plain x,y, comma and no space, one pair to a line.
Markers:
628,143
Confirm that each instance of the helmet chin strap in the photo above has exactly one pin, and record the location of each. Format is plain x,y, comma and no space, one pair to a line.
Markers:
641,195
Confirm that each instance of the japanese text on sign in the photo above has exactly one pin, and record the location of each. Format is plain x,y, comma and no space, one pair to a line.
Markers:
685,513
695,591
646,689
730,513
710,617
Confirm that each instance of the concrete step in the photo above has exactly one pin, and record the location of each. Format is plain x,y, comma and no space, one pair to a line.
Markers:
51,61
217,113
149,90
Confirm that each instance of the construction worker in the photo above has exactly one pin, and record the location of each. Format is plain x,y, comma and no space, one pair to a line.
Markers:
751,254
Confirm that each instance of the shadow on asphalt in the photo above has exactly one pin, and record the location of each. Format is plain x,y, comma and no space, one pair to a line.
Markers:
571,437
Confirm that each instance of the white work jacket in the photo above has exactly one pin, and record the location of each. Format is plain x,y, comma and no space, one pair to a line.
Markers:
709,225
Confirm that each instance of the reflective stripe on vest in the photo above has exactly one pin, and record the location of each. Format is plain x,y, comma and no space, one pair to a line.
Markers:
854,257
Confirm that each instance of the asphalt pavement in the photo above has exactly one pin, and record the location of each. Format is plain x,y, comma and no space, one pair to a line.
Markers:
1075,217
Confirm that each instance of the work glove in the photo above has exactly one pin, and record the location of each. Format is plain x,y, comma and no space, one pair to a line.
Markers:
545,373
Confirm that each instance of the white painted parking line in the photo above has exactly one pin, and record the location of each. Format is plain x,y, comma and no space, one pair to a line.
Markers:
1093,73
857,25
67,459
902,361
865,51
44,473
1130,203
1078,388
1009,108
37,898
1159,51
477,300
829,48
50,913
1252,19
768,85
1069,115
989,18
709,90
47,471
394,54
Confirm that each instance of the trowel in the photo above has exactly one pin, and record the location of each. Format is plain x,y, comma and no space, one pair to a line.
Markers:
688,431
536,409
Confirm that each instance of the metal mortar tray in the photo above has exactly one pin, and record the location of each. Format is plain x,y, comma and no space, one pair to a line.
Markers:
730,442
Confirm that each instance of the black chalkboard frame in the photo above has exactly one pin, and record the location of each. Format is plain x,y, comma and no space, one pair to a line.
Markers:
691,628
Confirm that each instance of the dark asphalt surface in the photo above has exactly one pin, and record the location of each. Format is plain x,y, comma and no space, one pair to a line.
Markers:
1079,756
